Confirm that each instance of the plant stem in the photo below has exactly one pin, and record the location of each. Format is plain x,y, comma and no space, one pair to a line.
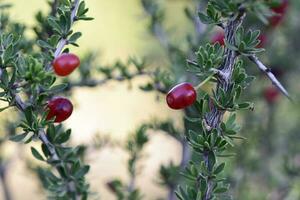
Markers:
94,83
171,193
54,5
63,42
204,81
54,156
7,194
214,118
42,136
50,147
185,157
131,184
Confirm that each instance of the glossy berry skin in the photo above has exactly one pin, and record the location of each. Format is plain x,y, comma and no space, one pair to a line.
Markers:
271,95
59,108
65,64
280,12
218,37
181,96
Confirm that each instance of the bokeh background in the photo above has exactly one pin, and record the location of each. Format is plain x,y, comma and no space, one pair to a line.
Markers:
116,109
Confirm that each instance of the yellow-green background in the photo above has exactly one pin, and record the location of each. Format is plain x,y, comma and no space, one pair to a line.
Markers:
118,31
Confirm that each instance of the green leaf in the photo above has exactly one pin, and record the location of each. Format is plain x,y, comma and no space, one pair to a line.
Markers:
44,44
80,173
204,18
29,115
246,106
219,169
36,154
58,88
221,190
64,137
18,138
4,108
73,39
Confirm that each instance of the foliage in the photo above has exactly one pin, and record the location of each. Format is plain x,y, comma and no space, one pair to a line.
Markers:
27,82
134,147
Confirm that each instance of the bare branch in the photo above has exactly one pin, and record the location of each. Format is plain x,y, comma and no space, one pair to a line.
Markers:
95,83
270,75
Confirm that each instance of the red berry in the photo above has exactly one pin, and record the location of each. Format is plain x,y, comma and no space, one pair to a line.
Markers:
181,96
271,95
65,64
218,37
60,108
280,12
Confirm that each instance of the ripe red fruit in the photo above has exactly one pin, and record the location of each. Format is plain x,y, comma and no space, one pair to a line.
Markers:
271,94
181,96
59,107
280,12
65,64
218,37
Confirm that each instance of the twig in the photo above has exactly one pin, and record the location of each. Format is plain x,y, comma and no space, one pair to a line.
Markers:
50,147
94,83
63,42
19,103
54,5
160,34
131,184
7,194
171,193
270,75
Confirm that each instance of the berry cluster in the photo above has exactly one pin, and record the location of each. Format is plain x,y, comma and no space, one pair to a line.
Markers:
61,108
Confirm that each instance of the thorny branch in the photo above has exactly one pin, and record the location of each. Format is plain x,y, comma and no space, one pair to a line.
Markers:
270,75
63,42
214,117
21,105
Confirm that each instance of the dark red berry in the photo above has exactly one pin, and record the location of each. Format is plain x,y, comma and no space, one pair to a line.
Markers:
280,12
65,64
218,37
271,94
181,96
59,108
